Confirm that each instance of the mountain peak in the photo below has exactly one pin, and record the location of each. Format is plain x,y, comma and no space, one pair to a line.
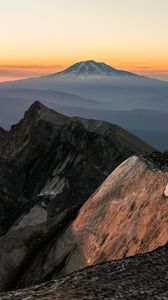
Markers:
36,106
91,68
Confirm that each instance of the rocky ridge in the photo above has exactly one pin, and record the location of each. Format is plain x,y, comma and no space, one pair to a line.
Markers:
49,154
50,166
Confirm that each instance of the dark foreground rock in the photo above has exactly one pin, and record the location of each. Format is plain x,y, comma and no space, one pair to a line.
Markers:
50,165
141,277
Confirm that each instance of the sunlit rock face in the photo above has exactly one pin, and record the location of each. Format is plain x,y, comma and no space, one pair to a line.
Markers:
126,216
141,277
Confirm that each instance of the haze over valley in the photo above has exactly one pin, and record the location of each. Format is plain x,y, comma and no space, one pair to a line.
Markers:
95,90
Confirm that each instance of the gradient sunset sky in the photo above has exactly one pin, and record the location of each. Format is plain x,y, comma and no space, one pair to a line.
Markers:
44,36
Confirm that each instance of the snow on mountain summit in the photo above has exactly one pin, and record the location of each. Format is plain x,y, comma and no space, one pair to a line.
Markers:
91,68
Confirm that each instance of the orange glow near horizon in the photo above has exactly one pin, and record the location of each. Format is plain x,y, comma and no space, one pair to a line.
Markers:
12,73
45,36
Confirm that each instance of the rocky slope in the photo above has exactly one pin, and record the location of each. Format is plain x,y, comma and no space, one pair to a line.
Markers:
49,165
49,154
141,277
126,216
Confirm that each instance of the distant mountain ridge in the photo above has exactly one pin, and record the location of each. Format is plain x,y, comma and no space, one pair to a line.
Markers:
91,68
98,91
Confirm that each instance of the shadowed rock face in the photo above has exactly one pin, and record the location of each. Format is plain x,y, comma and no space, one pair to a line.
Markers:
24,240
47,153
141,277
49,165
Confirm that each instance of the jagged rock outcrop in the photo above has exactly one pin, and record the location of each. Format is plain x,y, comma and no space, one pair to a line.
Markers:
126,216
48,153
141,277
49,165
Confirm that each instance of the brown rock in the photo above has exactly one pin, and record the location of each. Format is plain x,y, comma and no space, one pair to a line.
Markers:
127,215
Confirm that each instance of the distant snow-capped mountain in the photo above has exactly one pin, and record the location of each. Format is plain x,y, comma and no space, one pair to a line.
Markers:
92,68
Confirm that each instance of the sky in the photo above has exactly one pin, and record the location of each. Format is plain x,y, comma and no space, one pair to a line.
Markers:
44,36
